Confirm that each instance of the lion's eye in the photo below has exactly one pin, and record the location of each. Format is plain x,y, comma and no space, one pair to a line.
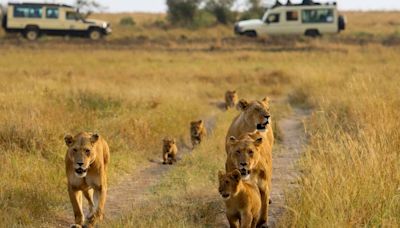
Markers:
87,151
75,150
238,151
251,152
226,182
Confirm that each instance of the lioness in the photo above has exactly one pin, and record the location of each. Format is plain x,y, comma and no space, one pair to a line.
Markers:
254,116
252,156
86,166
242,200
197,132
169,151
231,99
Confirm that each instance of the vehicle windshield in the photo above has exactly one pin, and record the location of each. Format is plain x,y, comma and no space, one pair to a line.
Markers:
265,16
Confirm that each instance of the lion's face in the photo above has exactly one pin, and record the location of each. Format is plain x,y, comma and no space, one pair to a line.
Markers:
231,96
168,144
245,153
256,113
228,183
80,152
196,128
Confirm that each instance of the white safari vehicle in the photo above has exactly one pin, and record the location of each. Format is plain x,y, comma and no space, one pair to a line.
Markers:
310,20
34,19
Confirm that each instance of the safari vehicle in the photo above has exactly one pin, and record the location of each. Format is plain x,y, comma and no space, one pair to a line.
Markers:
35,19
310,20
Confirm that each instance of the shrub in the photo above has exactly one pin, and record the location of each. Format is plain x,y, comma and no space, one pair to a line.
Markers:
221,9
203,19
127,21
182,12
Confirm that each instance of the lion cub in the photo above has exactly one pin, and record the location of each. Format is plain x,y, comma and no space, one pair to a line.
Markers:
169,151
242,200
231,99
197,132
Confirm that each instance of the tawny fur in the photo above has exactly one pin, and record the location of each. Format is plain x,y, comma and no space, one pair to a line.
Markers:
242,200
254,153
197,132
170,151
93,152
231,99
252,113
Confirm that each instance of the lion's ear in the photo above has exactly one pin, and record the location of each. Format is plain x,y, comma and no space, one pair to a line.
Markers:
232,140
258,141
220,175
94,138
243,105
266,101
69,140
236,175
201,122
174,141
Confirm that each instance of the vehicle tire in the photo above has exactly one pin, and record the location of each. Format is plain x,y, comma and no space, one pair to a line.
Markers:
31,33
250,33
312,33
95,34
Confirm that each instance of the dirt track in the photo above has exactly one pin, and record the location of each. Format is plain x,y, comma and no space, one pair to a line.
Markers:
133,188
285,172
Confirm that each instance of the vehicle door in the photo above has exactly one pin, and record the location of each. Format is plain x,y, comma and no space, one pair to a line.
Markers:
292,24
272,24
73,21
52,18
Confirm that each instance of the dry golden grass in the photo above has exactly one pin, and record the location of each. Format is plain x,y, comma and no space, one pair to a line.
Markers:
131,94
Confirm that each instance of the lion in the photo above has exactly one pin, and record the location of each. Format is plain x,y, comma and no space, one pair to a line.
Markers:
86,163
242,199
197,132
169,151
251,154
254,116
231,99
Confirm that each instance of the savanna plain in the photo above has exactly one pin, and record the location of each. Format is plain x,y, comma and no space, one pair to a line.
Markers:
149,81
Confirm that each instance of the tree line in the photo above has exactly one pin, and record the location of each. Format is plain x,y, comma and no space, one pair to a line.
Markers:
200,12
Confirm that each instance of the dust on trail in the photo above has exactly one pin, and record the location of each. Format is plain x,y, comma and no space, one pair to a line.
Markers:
285,171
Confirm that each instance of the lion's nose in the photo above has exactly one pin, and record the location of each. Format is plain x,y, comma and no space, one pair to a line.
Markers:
243,163
80,163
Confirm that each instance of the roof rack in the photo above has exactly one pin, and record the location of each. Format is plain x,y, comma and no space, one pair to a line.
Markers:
304,3
41,4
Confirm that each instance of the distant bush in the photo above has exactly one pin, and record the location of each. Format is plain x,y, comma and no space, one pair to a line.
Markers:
182,12
203,18
221,9
127,21
160,24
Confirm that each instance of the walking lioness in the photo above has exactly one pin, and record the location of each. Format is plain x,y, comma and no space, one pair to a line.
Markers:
251,154
86,166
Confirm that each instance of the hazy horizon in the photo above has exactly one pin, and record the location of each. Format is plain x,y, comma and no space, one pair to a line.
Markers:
160,5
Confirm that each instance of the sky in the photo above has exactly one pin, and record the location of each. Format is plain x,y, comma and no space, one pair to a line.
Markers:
159,5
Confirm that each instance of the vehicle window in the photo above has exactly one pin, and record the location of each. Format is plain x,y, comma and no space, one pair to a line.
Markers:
28,11
317,16
72,16
273,18
292,15
52,13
